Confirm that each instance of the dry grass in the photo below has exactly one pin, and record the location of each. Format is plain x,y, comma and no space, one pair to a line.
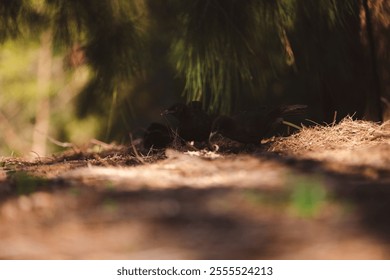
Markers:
352,142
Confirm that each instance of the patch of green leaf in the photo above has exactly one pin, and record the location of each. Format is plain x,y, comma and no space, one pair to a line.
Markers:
308,196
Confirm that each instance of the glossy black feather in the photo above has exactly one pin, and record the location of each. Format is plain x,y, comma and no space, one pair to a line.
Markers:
157,136
251,127
194,124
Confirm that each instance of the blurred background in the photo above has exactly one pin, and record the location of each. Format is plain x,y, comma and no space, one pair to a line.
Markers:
71,71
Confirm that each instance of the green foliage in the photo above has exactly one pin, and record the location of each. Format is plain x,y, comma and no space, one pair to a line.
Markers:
218,51
110,40
9,13
305,197
16,79
20,98
225,50
220,46
308,196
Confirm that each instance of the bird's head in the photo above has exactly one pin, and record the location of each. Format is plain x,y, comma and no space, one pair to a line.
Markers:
222,125
177,110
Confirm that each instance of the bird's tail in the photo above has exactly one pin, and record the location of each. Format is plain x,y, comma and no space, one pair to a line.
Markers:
292,110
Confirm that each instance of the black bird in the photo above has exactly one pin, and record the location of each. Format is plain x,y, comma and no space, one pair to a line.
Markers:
157,136
251,127
194,124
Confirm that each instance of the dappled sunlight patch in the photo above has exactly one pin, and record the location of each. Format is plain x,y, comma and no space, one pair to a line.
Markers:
204,154
184,170
109,201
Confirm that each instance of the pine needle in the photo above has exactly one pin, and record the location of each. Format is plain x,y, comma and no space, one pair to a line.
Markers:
291,124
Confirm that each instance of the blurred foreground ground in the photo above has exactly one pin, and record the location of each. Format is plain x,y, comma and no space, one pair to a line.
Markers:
323,193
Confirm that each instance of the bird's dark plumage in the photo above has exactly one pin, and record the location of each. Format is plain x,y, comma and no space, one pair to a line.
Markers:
194,124
251,127
157,136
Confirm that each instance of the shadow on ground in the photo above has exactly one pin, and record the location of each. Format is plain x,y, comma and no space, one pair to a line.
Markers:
272,207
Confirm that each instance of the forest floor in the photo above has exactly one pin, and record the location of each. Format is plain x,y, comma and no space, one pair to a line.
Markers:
323,193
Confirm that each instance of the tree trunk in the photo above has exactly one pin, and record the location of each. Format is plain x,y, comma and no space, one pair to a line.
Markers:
42,117
374,107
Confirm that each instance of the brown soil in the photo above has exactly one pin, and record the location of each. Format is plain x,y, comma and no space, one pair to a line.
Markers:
323,193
